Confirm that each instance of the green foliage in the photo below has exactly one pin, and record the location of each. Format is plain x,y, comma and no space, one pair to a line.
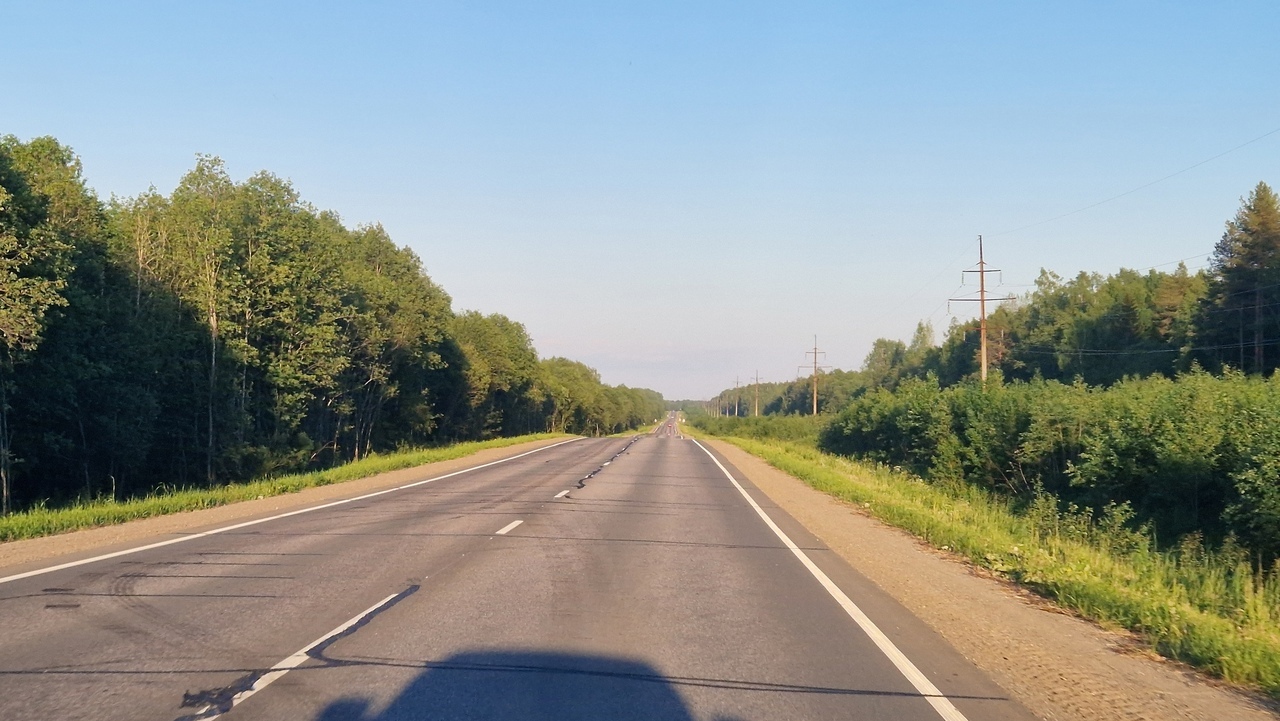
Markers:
577,402
888,362
1097,426
1211,609
1237,323
1098,328
1198,453
500,365
229,330
38,211
802,429
42,210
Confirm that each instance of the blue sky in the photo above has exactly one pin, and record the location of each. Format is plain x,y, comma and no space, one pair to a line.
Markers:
683,193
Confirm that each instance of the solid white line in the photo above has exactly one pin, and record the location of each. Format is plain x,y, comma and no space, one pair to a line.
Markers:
299,657
940,703
563,493
507,528
224,529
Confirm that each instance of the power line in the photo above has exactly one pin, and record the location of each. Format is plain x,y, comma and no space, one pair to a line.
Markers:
1180,260
1140,187
949,265
1037,350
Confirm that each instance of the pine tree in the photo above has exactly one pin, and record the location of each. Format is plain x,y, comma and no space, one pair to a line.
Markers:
1240,317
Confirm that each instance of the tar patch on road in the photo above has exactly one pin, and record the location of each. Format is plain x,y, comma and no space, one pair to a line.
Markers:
216,701
582,483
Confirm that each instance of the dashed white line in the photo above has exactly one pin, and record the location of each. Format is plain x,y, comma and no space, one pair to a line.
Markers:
563,493
940,703
297,659
224,529
507,528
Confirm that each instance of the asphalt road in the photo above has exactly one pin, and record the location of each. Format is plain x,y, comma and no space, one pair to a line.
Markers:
652,589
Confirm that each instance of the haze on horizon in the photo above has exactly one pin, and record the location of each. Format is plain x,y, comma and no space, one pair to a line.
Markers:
680,195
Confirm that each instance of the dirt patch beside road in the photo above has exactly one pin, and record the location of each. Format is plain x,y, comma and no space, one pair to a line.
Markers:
66,546
1057,665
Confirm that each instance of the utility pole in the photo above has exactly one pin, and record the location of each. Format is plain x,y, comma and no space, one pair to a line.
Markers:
815,353
982,304
757,389
736,397
1257,331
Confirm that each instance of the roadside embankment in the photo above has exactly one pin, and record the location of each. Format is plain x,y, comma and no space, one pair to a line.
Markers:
55,532
968,569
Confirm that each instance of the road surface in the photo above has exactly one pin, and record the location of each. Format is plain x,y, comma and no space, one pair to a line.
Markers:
596,579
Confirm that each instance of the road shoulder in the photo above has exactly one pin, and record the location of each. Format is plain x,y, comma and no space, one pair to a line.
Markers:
63,546
1057,665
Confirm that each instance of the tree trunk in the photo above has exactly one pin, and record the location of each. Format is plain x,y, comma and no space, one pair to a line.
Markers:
6,453
213,382
1257,332
84,458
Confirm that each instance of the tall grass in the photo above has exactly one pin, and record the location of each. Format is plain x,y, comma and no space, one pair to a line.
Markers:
42,521
1208,608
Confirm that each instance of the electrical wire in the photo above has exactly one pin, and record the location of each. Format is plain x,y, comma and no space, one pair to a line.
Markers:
1134,190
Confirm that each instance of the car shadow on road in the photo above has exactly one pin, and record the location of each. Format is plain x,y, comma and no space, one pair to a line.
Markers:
527,686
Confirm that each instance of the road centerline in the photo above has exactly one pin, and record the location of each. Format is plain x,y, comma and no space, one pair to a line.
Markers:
509,527
246,524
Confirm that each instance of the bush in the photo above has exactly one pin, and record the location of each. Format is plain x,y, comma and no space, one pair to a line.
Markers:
803,429
1194,454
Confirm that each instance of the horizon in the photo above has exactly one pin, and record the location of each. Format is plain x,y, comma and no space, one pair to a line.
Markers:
733,181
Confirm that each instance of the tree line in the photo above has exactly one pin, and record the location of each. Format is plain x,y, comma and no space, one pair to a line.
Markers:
1195,454
229,330
1092,327
1152,390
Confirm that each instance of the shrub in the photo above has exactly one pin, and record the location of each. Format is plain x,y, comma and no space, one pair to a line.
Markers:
1194,454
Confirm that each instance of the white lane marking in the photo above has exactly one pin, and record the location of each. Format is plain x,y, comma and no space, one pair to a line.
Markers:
298,658
563,493
507,528
224,529
940,703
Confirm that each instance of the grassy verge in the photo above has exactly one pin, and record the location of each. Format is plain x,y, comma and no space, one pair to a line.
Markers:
1210,609
48,521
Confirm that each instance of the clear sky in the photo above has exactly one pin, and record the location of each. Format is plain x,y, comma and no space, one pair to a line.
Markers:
678,193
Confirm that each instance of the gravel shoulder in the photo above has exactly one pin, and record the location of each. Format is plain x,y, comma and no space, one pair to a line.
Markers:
16,555
1058,665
